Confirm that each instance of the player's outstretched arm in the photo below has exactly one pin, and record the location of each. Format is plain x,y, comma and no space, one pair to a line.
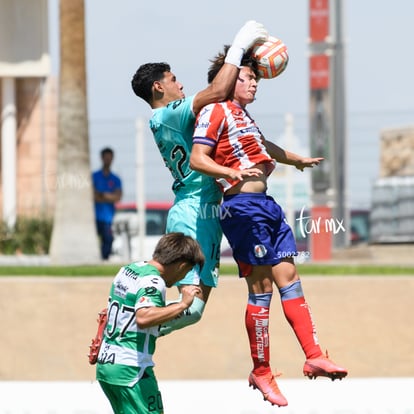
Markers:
223,83
290,158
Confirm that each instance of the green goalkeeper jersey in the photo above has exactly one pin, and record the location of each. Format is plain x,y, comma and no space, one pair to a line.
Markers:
173,127
126,349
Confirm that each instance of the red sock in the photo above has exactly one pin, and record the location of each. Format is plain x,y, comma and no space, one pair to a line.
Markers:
257,325
298,314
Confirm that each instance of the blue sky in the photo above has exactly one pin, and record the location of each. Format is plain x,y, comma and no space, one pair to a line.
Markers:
379,69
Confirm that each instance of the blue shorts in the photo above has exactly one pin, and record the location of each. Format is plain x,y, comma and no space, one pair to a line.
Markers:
257,230
201,222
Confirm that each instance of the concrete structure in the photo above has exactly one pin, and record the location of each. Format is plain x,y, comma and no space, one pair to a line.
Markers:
35,149
392,211
28,114
397,152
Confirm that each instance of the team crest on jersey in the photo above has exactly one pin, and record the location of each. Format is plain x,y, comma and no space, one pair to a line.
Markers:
260,250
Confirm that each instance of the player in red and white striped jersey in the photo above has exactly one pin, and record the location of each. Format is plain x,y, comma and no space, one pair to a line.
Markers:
229,146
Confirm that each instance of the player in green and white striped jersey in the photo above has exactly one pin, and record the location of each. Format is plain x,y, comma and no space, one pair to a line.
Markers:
136,308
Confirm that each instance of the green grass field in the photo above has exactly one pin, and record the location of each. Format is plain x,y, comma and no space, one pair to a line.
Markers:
225,270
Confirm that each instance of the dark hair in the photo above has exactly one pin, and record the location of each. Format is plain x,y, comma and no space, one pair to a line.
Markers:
145,77
107,150
177,247
218,61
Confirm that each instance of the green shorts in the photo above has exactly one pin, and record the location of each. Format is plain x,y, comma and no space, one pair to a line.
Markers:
144,397
201,222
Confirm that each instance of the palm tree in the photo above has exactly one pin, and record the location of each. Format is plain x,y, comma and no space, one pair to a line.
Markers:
74,238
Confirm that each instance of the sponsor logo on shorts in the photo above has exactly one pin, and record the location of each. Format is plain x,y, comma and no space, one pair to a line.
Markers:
260,250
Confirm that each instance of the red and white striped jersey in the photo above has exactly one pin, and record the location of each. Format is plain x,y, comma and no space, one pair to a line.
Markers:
237,140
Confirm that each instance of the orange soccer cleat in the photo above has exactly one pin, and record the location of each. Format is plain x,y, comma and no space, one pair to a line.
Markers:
322,366
268,387
97,341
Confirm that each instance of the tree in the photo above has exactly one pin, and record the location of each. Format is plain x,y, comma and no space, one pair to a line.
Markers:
74,237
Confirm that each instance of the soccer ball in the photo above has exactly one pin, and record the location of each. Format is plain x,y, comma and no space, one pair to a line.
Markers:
271,56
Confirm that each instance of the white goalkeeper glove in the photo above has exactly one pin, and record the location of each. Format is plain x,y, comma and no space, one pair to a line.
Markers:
246,37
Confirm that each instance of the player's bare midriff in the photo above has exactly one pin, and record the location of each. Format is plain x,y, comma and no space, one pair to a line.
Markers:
251,184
